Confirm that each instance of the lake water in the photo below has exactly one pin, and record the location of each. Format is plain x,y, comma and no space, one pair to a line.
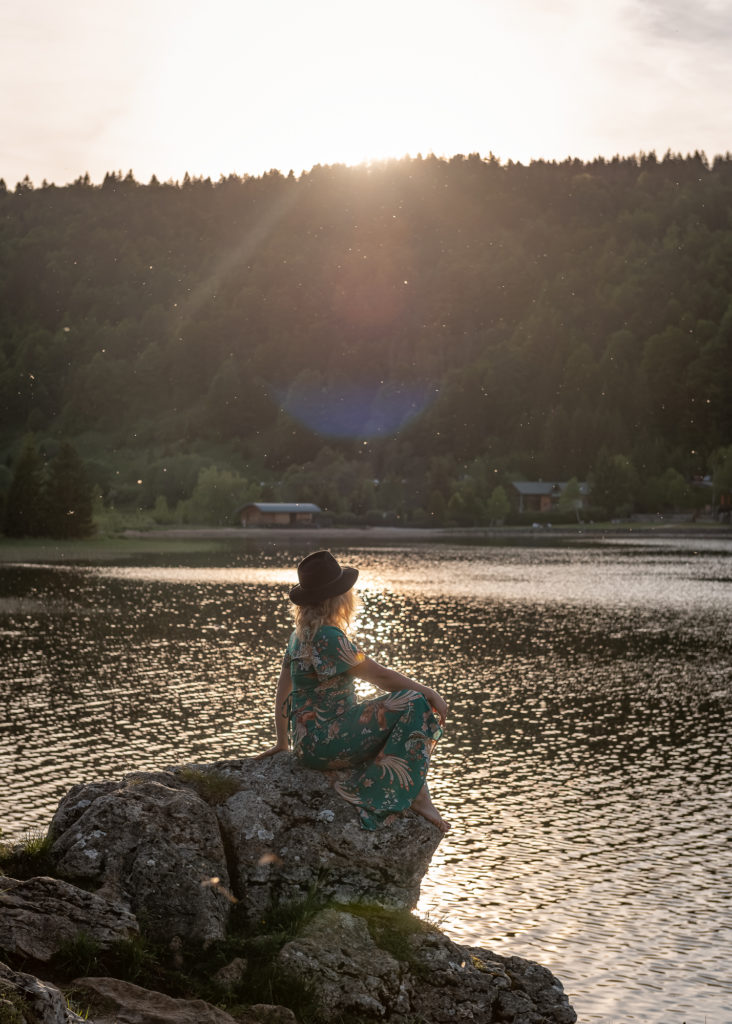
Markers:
586,766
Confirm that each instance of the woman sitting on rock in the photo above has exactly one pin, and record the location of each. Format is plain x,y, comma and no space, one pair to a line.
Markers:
387,740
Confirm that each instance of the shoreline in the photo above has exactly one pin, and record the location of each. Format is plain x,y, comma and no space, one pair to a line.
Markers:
671,529
198,539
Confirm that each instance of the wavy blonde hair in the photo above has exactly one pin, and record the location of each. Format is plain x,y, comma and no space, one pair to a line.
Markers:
333,611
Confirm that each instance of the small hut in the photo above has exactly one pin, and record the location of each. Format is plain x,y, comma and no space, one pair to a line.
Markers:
539,496
278,513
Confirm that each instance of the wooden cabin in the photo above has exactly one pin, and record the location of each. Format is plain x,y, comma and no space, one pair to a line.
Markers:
541,496
278,513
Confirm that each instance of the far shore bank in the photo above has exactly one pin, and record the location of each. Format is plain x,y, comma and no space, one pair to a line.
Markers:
191,539
416,533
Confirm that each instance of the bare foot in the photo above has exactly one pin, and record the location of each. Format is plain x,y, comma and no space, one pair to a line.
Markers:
423,805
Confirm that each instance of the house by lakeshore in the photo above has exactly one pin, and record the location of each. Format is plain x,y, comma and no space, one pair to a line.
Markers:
278,513
543,496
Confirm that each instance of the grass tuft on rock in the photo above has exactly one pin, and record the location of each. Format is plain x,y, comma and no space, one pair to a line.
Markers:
392,929
13,1009
79,1011
80,956
213,787
28,858
285,920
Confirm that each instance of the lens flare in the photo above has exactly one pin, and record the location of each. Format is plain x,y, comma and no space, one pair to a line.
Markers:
356,411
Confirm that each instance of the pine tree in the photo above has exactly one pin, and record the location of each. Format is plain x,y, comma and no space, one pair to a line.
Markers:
25,504
68,496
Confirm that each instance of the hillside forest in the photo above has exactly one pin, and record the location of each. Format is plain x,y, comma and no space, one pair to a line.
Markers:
395,342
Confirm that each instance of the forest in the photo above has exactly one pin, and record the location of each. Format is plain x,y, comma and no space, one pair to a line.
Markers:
393,341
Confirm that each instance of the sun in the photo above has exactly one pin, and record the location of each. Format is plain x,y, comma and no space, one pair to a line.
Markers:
288,86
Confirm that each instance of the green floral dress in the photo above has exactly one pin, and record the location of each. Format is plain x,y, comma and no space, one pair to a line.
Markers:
387,740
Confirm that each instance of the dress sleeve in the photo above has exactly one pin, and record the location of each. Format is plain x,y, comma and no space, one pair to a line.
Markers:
338,655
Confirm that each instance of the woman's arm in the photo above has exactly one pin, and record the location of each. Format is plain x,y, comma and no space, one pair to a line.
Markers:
284,689
387,679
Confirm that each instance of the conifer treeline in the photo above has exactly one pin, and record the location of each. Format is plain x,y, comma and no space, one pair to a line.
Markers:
463,317
48,499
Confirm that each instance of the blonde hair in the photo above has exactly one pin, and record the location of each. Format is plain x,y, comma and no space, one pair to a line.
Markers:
333,611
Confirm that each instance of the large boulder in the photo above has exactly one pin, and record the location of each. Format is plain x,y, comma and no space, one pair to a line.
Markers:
288,832
179,845
152,843
420,975
39,915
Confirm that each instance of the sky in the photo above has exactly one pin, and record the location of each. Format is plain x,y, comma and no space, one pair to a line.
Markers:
218,87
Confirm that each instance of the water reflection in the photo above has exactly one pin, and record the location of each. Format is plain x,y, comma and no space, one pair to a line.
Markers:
587,764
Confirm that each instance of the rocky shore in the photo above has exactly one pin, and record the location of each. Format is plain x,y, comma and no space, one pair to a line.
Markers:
240,891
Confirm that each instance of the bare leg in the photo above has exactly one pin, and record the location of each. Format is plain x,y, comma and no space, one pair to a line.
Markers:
423,805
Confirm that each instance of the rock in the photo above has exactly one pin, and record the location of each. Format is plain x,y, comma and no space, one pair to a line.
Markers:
152,843
38,915
352,978
434,980
121,1002
231,974
529,981
267,1014
288,832
76,801
36,1000
151,840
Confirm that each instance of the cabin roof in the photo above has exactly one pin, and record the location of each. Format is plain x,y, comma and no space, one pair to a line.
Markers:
527,487
281,506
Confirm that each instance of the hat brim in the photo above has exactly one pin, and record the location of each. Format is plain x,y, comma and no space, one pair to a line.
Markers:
314,595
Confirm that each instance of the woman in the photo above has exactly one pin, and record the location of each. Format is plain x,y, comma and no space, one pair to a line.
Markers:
387,740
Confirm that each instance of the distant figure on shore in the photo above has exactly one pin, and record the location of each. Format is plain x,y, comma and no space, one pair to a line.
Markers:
387,740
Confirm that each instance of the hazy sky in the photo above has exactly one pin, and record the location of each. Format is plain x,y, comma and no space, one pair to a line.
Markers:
219,86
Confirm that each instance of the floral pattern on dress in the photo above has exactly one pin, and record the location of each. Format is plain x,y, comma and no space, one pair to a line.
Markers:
387,740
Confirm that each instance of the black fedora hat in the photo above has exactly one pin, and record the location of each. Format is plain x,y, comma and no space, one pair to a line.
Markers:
320,577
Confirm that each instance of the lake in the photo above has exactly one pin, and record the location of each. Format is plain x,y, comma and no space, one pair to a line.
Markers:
587,760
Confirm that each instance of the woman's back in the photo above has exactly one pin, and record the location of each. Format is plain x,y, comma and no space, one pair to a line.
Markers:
322,659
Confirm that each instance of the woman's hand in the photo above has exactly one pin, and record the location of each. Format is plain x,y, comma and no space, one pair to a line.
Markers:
278,748
438,704
388,679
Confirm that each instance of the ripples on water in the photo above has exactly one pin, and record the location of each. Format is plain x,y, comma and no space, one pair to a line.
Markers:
587,766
